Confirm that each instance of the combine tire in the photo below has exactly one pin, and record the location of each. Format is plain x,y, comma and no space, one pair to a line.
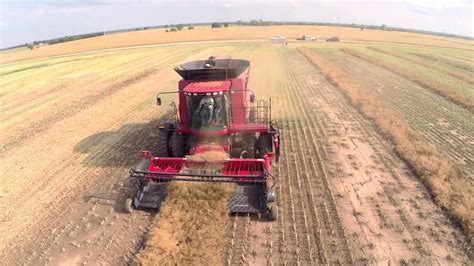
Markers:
128,206
272,211
177,143
162,147
265,143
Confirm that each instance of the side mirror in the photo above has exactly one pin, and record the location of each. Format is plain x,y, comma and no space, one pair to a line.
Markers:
252,98
158,101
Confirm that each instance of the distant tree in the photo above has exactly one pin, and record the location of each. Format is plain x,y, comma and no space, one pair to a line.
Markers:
166,30
216,25
254,22
30,46
226,25
173,29
190,28
383,27
179,26
239,22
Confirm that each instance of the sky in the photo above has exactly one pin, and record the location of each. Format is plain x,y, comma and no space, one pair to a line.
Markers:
27,21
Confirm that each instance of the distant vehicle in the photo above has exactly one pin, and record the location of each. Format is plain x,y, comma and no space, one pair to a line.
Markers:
277,38
307,38
333,39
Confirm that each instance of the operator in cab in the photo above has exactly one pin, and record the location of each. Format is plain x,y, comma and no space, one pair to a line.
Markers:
206,109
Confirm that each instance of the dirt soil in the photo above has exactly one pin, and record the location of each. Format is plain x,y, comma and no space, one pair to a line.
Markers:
65,165
344,197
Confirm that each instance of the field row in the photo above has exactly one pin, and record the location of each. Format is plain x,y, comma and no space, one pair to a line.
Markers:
309,230
67,205
444,124
74,125
377,170
453,89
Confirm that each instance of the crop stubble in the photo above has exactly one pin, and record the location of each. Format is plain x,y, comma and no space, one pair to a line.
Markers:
189,227
310,228
64,206
454,94
386,211
404,210
440,67
445,125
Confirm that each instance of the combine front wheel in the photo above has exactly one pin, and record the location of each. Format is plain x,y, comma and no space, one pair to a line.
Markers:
177,144
162,148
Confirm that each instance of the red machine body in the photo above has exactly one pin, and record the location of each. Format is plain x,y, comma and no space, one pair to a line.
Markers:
236,90
216,111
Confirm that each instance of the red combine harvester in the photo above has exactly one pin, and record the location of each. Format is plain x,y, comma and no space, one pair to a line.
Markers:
216,112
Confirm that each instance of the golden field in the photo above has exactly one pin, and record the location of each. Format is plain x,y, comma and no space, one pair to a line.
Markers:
159,36
376,166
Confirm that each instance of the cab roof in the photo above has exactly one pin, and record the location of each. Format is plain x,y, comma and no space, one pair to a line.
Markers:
207,87
212,69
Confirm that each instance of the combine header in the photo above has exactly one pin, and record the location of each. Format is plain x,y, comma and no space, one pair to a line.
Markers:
217,112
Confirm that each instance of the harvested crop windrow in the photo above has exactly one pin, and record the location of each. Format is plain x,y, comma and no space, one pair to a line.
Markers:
449,93
189,230
449,188
457,63
438,67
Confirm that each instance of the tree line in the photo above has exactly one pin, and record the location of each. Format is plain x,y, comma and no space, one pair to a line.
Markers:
254,22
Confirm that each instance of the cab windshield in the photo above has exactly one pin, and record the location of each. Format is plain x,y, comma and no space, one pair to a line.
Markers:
207,112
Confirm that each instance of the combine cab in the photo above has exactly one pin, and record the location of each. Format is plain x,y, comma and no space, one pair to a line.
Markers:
216,113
